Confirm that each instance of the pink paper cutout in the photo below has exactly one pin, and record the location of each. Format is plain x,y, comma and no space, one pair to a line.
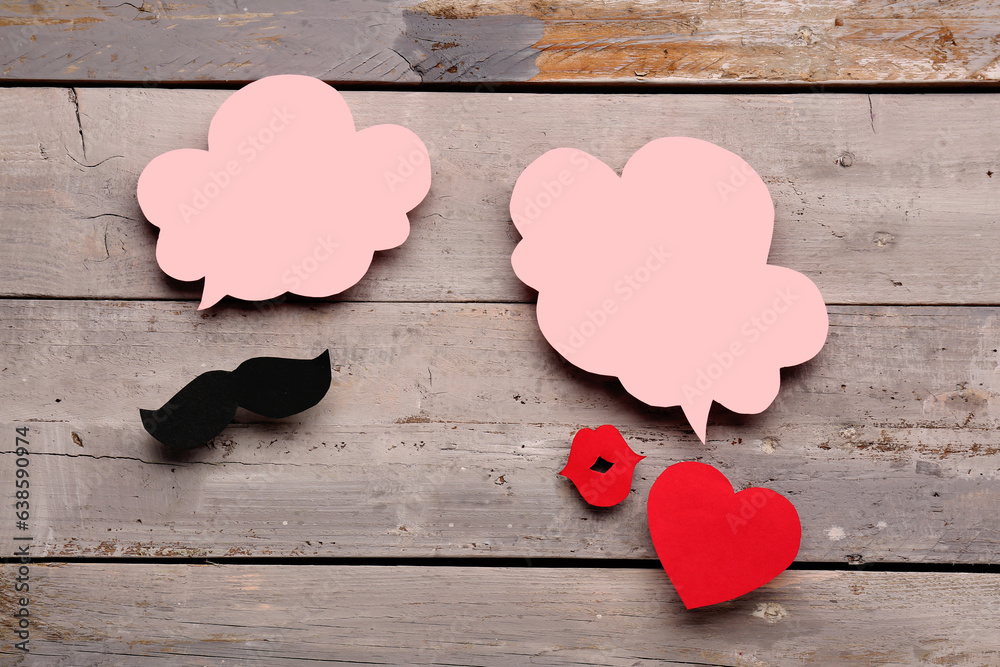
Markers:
288,198
660,277
714,544
601,489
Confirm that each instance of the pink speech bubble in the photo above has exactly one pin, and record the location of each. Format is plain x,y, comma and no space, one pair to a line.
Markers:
660,277
288,197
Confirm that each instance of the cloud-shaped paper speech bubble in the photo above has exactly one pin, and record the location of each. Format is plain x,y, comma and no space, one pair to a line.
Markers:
660,277
288,197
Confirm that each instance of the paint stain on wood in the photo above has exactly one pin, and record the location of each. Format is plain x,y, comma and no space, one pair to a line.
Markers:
508,40
447,46
692,41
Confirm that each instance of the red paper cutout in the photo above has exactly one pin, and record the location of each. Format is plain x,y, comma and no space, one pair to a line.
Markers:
590,446
716,545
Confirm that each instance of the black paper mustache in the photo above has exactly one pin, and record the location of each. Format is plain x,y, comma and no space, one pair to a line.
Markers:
269,386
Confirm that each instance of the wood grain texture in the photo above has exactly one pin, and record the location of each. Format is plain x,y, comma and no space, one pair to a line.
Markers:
447,421
879,199
502,41
446,425
139,614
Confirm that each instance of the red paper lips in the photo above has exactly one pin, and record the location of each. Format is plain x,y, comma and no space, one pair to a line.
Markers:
601,465
716,545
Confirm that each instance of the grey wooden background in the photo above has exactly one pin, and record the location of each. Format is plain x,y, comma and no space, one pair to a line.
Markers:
415,516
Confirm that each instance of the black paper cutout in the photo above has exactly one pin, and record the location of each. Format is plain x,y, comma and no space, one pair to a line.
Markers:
272,387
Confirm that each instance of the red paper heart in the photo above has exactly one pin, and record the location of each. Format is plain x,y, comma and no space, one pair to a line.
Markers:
716,545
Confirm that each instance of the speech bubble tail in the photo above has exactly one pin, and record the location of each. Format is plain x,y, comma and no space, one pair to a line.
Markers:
696,413
210,296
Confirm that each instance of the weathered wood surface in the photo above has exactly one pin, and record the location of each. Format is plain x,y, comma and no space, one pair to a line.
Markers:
447,424
502,41
139,614
879,199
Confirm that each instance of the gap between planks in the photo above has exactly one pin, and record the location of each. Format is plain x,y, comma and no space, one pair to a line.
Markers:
488,562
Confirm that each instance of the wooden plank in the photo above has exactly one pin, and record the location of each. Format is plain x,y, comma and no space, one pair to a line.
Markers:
446,425
503,41
140,614
880,199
